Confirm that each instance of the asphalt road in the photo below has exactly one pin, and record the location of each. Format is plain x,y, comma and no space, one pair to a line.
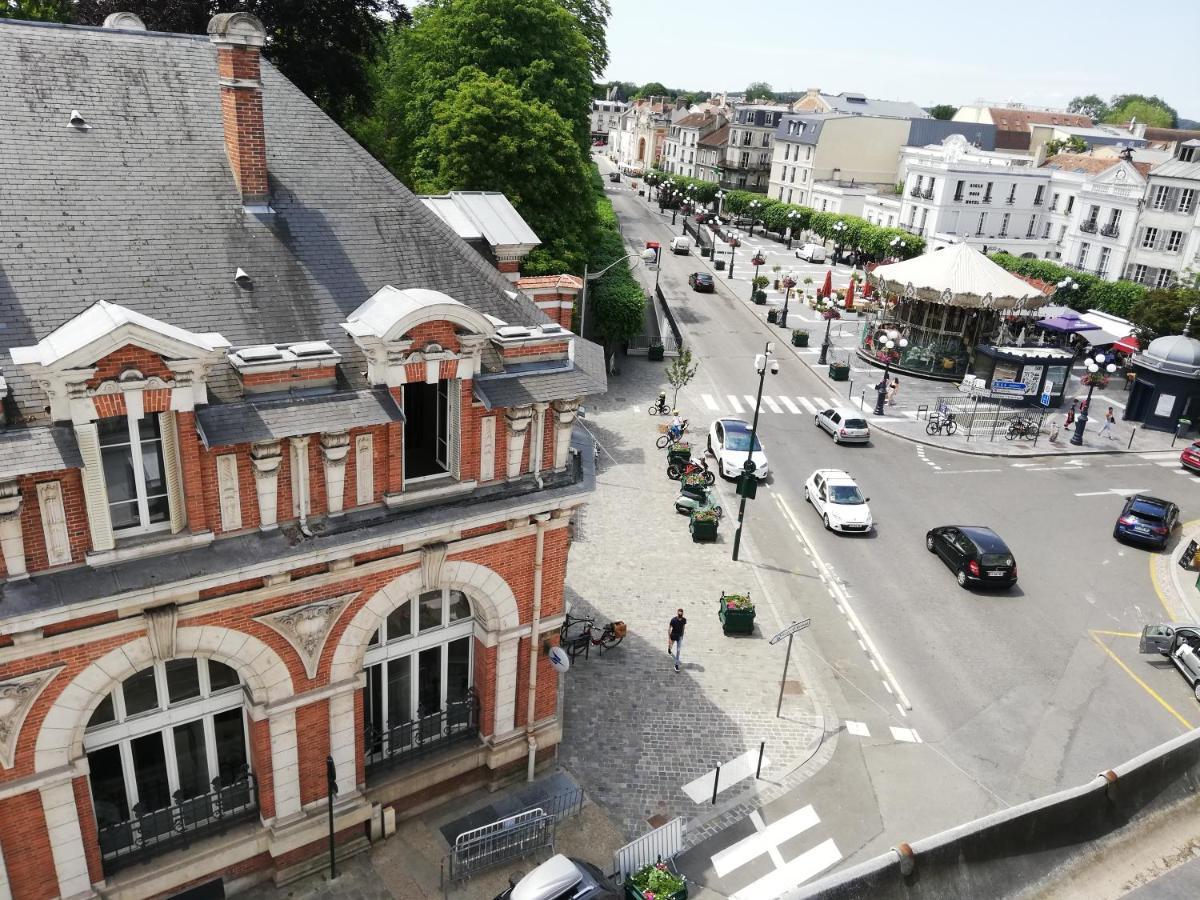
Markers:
1013,694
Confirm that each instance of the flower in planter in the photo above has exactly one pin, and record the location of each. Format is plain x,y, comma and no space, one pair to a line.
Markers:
758,260
799,332
680,445
694,478
1099,379
656,880
789,282
830,313
704,515
737,601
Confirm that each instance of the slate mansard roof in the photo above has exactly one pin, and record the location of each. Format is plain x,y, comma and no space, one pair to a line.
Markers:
141,208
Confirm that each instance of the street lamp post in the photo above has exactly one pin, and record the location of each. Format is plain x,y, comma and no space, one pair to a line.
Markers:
825,344
646,255
790,228
789,282
732,249
762,362
838,227
720,200
890,340
756,262
897,244
1093,367
754,205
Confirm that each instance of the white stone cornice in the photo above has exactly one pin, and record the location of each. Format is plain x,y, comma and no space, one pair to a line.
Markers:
17,696
307,627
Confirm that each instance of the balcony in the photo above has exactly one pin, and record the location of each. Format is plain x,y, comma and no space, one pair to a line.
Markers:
1110,231
1038,201
396,744
913,229
987,198
927,193
1009,201
914,191
1089,226
150,833
958,198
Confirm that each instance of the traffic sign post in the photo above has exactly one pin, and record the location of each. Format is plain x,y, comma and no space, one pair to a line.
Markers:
789,633
1008,388
1045,398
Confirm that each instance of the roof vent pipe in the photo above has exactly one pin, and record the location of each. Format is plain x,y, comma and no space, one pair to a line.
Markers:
78,121
242,280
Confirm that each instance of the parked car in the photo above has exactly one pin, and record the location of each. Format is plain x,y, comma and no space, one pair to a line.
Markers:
1180,644
729,443
563,876
975,553
838,501
701,282
844,425
705,217
1190,458
1147,520
813,253
681,245
614,176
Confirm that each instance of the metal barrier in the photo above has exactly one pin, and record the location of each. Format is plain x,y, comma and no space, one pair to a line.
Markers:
639,344
670,316
662,843
563,805
511,838
988,417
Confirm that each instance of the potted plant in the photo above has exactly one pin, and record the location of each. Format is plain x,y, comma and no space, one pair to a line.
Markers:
679,454
758,282
839,369
655,353
799,337
655,882
703,524
736,612
759,297
776,270
773,316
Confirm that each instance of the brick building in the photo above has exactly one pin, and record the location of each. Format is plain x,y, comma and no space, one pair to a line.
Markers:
286,473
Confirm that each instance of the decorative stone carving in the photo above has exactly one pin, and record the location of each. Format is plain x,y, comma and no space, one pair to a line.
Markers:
130,380
519,420
565,412
335,446
266,458
160,629
487,449
364,469
229,492
54,523
17,696
12,542
433,556
307,627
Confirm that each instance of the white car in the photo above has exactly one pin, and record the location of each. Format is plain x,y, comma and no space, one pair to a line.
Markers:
729,443
844,425
813,253
838,501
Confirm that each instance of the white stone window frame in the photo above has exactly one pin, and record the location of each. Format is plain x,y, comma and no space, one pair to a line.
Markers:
168,448
124,730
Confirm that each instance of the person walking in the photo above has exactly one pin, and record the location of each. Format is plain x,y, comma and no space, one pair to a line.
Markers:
1109,421
1054,430
893,391
1071,414
675,635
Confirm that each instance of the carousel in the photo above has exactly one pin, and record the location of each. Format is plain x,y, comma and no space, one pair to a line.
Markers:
933,312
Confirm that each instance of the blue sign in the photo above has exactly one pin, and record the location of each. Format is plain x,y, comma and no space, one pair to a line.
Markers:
1001,385
1046,399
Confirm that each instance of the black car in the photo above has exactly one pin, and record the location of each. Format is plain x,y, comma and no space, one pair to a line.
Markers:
701,282
614,176
975,553
1147,520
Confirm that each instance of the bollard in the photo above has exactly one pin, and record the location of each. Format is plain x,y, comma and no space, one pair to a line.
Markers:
716,781
862,399
1132,432
758,772
850,389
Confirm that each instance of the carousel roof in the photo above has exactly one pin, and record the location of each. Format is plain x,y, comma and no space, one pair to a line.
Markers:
959,275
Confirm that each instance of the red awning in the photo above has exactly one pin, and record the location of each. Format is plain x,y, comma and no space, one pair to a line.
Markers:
1127,345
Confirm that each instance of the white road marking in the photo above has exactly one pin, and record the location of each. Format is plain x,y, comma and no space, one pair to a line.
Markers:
792,408
772,404
1126,465
905,734
967,471
765,837
710,402
834,403
795,873
1120,492
1161,454
738,768
750,402
858,728
733,401
808,405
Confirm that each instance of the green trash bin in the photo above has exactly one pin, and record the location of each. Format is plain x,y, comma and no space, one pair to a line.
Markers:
719,265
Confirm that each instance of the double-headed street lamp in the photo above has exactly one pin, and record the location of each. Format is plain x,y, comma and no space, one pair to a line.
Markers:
720,199
1094,367
791,220
838,227
647,255
789,282
747,484
897,244
889,340
753,208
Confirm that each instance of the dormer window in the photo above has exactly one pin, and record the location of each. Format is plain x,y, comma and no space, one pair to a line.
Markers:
134,473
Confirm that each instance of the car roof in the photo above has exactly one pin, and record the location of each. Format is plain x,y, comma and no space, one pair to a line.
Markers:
847,413
984,538
835,475
735,424
1146,498
549,879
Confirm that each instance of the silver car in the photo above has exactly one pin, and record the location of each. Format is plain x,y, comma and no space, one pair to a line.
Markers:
1180,644
845,425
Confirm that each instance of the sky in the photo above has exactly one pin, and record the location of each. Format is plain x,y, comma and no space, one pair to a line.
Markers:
1039,53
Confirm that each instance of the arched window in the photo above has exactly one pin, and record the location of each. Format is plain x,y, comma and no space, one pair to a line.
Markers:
167,750
418,667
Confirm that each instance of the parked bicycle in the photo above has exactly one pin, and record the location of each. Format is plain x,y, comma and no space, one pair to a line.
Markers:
609,636
941,422
676,472
660,407
1021,428
673,434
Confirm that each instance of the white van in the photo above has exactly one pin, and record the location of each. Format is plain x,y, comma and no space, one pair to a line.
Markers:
681,245
814,253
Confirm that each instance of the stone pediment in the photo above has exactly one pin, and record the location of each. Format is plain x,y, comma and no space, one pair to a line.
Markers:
307,627
17,696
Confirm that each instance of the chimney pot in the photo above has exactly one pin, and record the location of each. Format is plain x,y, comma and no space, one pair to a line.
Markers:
237,29
238,37
124,21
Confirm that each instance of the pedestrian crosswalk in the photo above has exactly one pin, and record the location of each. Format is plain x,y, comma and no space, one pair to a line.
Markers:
768,841
862,729
777,404
1168,459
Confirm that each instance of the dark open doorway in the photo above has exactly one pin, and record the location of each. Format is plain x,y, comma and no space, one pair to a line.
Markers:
425,430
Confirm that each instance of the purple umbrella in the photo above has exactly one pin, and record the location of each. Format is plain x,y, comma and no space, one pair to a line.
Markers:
1066,323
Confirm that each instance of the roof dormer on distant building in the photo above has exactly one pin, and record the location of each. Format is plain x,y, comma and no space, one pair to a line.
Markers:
1014,124
855,104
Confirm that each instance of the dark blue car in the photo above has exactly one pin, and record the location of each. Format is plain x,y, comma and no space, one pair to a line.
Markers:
1147,520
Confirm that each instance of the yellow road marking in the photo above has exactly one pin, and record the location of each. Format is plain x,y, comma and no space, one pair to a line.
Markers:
1145,687
1136,634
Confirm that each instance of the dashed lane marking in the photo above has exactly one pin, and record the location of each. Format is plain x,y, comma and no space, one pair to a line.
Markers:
858,728
905,734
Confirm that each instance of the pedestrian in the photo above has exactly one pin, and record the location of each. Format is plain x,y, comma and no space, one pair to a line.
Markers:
1071,414
893,391
1109,421
1054,430
675,635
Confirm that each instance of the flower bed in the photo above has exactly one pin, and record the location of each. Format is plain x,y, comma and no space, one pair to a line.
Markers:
655,882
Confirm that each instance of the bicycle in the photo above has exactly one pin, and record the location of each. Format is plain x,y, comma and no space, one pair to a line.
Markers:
660,408
939,422
1020,428
610,636
665,440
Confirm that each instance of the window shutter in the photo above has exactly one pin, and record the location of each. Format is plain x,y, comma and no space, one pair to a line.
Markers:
454,426
174,471
95,492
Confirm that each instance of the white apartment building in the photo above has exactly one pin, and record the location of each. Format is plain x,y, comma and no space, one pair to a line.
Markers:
606,117
882,209
1167,241
837,149
746,161
683,142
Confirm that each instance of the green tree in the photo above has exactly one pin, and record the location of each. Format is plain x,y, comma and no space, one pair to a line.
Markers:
1164,312
1072,144
1089,105
943,111
651,89
759,90
682,370
592,16
38,10
1152,111
323,46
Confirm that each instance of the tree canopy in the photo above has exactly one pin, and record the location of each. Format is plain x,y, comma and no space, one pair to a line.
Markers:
1072,144
1153,110
1164,312
38,10
759,90
943,111
652,89
1089,105
592,16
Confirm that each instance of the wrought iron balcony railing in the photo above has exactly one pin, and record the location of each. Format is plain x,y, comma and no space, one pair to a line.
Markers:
428,733
914,191
927,193
151,832
1089,226
1111,231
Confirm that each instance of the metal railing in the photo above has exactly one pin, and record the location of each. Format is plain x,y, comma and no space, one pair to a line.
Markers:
927,193
914,191
1089,226
151,832
506,839
392,745
662,843
1111,231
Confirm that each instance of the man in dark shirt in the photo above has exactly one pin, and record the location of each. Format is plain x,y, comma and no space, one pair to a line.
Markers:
675,635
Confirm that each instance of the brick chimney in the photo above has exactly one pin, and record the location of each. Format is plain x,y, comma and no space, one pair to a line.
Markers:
238,38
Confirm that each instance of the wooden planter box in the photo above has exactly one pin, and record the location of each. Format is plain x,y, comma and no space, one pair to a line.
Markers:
736,621
800,340
839,373
632,893
703,530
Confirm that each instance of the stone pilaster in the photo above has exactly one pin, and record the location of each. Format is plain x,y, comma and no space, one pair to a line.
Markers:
518,421
12,542
335,447
565,412
266,458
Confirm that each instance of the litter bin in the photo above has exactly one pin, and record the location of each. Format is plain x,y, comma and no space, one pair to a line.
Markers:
706,252
719,265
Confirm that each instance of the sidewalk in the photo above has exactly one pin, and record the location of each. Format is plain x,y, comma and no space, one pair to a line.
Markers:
1180,586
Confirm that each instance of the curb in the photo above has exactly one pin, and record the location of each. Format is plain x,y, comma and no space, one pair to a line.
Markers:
1188,532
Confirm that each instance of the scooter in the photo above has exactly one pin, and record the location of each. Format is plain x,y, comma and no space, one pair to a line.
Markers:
693,497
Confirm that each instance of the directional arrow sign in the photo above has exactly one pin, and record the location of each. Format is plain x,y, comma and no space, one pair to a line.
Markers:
791,629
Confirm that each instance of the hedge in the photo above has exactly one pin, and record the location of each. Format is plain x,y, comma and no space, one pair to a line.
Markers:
1117,298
